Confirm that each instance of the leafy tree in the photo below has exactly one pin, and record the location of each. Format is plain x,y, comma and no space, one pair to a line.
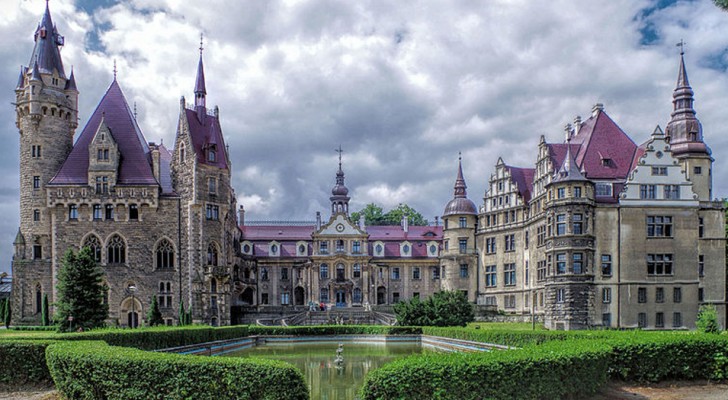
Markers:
7,313
708,319
45,315
154,316
375,215
445,308
80,292
722,4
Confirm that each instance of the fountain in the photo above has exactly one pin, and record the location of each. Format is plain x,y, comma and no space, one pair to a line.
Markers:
339,360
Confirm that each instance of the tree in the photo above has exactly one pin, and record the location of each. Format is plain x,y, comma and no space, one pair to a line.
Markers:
44,316
722,4
7,313
375,215
80,292
445,308
708,319
154,316
182,315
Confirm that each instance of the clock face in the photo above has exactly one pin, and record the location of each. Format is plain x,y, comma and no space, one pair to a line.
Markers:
340,227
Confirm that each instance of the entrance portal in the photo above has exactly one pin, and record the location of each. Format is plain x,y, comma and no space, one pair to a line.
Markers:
381,295
246,298
340,298
132,319
298,296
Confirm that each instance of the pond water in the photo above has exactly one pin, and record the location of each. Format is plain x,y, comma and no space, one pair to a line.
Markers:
326,379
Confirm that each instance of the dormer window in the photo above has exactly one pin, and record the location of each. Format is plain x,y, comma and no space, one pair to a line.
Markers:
102,185
212,154
103,155
606,162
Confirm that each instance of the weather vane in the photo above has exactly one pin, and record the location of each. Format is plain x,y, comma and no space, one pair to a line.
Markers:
340,151
114,69
681,45
201,48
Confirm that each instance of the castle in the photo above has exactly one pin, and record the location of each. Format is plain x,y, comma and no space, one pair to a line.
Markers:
602,232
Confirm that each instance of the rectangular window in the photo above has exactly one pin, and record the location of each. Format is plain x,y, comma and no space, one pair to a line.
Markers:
541,270
36,182
561,263
510,301
603,189
659,320
541,235
697,170
659,264
606,295
642,320
659,295
73,212
285,298
561,193
395,273
577,224
577,192
435,273
490,276
463,270
672,192
356,247
526,274
677,295
577,265
324,247
525,239
109,211
463,222
490,246
561,225
36,151
463,246
133,212
97,212
213,212
676,320
560,295
102,184
510,242
606,264
701,294
701,227
642,295
659,226
395,297
357,270
324,271
37,252
648,191
264,298
701,265
284,273
36,215
491,301
659,171
212,185
607,319
416,273
509,274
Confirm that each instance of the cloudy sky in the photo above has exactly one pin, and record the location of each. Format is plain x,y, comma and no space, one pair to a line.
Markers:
403,86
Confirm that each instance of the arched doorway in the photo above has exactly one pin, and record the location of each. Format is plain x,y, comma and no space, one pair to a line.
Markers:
130,312
246,298
381,295
298,296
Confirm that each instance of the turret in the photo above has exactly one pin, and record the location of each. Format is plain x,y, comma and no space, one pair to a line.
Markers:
339,194
200,90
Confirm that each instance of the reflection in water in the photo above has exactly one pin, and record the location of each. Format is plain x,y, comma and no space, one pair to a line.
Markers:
317,361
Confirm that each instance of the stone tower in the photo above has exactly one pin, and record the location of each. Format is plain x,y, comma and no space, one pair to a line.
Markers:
458,263
685,135
46,117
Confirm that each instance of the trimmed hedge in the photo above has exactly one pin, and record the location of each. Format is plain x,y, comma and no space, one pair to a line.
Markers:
516,338
94,370
23,363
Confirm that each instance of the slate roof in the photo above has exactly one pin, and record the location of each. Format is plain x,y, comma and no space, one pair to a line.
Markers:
45,51
523,178
205,133
165,170
600,138
134,165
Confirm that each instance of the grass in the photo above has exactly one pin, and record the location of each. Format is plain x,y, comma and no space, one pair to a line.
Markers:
11,333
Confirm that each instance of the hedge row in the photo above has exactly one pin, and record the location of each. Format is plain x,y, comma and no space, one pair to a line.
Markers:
554,369
515,338
23,363
95,370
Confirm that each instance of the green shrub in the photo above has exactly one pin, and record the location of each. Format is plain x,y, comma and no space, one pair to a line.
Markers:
708,319
445,308
33,328
94,370
23,363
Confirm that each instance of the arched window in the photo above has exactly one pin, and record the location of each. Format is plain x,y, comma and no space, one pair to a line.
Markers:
212,154
182,152
38,299
116,250
212,254
94,244
340,272
356,296
165,255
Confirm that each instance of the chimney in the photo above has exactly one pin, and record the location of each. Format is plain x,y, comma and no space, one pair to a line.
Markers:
318,220
241,216
155,161
437,220
567,130
577,124
362,222
405,223
597,108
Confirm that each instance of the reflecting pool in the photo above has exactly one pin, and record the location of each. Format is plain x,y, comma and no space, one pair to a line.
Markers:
327,379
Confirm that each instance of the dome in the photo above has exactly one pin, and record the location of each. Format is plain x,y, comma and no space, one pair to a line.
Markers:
460,205
340,190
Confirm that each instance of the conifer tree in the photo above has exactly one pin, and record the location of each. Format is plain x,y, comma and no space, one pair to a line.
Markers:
182,315
80,292
45,316
7,313
154,316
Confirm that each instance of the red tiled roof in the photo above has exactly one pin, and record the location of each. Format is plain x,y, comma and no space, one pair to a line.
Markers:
600,138
134,165
204,133
395,232
523,177
277,232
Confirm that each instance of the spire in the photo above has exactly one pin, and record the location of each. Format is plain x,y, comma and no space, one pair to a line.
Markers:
71,84
47,42
35,73
460,186
569,171
684,129
200,90
460,204
339,194
21,78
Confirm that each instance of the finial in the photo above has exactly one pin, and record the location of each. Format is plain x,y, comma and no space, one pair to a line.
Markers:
681,45
201,48
135,111
340,151
114,69
460,156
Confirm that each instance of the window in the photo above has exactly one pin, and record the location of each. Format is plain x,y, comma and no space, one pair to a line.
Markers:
463,222
302,249
697,170
606,295
560,193
435,273
36,215
324,271
577,224
659,264
36,182
672,192
676,320
116,250
603,189
509,274
647,191
165,255
35,151
510,301
102,184
213,212
109,212
212,254
659,320
97,212
273,249
560,295
677,295
701,265
463,270
356,296
490,246
577,192
395,297
182,152
405,249
541,270
102,155
416,295
701,227
526,274
491,301
525,239
659,226
37,252
324,295
642,295
510,242
356,247
212,185
561,263
577,265
340,272
541,235
642,320
212,153
264,298
463,246
607,319
701,294
416,273
324,247
164,296
607,264
395,273
133,212
433,249
284,273
659,295
340,246
264,274
357,271
491,279
285,296
561,225
659,170
94,244
442,272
